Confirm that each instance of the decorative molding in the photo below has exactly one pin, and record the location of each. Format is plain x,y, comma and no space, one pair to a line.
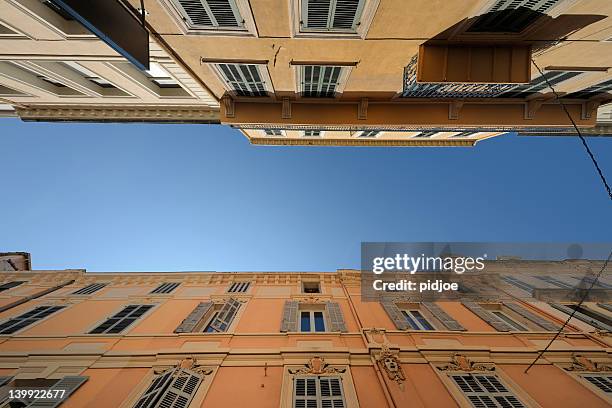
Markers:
317,366
286,112
460,362
362,113
189,363
389,362
229,106
272,141
454,108
120,113
582,363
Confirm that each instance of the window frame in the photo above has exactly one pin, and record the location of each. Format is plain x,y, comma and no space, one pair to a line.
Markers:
248,27
345,71
161,289
126,328
311,311
312,283
318,397
35,322
408,314
262,71
239,287
510,388
581,376
76,292
208,319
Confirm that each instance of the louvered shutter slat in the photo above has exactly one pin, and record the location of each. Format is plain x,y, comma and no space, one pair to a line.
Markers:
68,383
181,390
532,317
442,316
484,314
336,317
189,324
345,14
289,322
395,314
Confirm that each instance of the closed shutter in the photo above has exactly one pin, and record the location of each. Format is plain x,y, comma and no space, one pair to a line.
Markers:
211,13
68,383
336,319
331,14
152,394
181,390
290,316
606,306
580,316
442,316
532,317
484,314
189,324
395,314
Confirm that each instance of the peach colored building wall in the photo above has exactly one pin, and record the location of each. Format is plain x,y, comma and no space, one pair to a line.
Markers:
253,363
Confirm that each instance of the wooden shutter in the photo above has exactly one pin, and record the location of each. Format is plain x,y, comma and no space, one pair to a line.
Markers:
190,322
157,386
290,317
484,314
580,316
531,316
395,314
68,383
336,318
442,316
181,389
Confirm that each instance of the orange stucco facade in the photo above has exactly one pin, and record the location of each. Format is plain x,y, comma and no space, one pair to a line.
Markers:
255,360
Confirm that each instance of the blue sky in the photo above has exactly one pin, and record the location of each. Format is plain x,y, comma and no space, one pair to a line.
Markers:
143,197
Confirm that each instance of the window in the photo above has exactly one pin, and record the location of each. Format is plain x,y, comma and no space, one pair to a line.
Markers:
428,133
331,15
369,133
603,382
591,317
166,287
9,285
318,392
416,320
320,81
246,79
589,280
60,11
239,287
538,84
313,133
312,321
174,388
89,289
221,319
158,75
89,75
592,90
556,282
505,318
486,391
27,319
518,283
120,321
68,384
212,14
311,287
273,132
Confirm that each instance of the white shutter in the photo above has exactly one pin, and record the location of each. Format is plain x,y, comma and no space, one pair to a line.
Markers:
210,13
486,391
331,15
226,315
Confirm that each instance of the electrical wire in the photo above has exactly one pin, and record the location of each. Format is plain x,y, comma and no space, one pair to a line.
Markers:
582,299
582,139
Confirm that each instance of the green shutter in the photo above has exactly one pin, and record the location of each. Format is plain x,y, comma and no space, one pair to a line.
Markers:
290,317
484,314
442,316
531,316
336,319
190,322
395,314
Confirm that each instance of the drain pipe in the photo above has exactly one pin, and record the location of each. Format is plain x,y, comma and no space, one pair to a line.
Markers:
379,375
34,296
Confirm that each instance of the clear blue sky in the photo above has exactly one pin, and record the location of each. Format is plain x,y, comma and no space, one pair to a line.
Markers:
132,197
